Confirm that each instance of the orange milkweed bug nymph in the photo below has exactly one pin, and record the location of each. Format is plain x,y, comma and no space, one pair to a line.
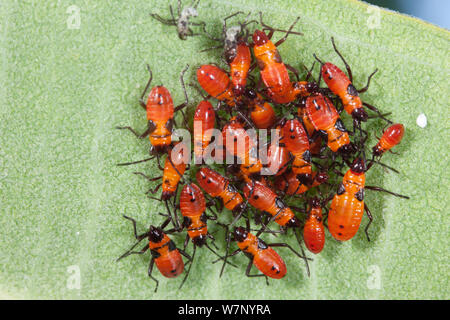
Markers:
218,186
164,252
160,112
278,156
261,255
261,112
193,207
390,138
347,206
239,67
174,168
342,86
264,199
289,184
216,83
323,115
315,139
274,73
240,144
314,231
296,141
236,52
206,117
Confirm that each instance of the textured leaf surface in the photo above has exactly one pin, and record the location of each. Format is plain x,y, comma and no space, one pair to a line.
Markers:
64,90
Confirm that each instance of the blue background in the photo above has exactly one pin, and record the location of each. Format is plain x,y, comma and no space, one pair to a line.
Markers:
434,11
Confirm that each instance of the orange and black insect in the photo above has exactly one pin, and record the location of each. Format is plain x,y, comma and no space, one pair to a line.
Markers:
239,61
193,207
261,112
236,52
216,83
290,184
301,113
164,252
204,120
278,156
314,231
160,112
342,86
390,138
315,139
324,117
296,141
274,73
264,199
347,207
218,186
174,168
261,255
307,89
239,143
182,21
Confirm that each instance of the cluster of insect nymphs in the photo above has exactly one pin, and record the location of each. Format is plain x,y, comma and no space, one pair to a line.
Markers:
313,160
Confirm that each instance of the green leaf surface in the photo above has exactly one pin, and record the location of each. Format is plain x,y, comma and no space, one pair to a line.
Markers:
64,90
